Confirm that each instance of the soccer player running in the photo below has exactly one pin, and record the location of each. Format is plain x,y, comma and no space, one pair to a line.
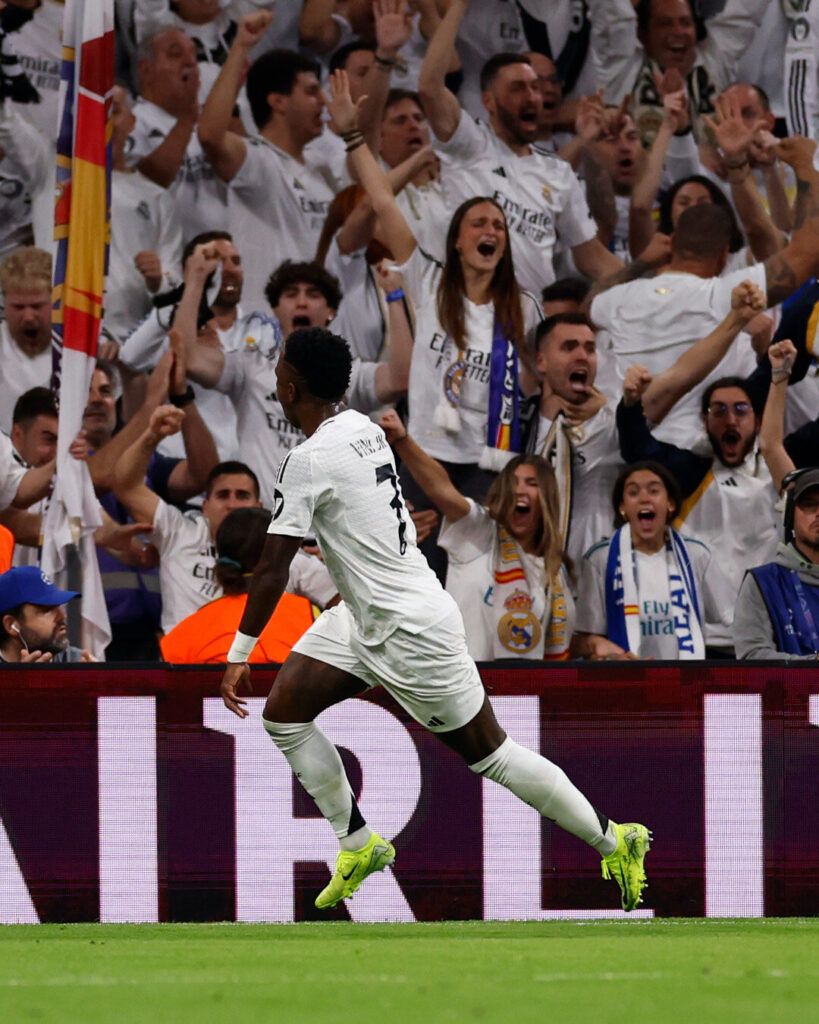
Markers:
396,627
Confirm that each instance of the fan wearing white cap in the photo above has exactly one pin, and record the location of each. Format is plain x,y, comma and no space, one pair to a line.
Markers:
33,624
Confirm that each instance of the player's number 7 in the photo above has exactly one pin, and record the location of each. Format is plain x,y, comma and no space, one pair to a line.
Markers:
386,472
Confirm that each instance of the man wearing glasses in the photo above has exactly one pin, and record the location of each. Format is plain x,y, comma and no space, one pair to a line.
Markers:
729,498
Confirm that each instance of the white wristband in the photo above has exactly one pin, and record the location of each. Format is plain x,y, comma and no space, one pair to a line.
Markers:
241,648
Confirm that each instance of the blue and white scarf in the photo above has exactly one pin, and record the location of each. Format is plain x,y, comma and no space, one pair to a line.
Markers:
623,601
504,435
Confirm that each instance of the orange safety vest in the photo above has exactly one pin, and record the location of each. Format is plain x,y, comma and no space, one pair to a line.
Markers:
6,548
205,637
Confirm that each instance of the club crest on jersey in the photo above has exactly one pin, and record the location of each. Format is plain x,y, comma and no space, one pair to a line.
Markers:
546,192
519,629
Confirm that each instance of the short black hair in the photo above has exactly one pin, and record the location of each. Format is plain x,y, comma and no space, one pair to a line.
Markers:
500,60
289,273
398,96
275,71
658,469
33,403
567,289
322,360
232,466
545,327
202,239
239,543
339,59
723,382
702,232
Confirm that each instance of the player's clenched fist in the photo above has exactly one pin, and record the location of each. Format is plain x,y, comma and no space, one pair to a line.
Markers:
166,420
251,29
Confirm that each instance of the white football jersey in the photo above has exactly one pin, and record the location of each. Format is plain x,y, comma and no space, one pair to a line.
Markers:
341,486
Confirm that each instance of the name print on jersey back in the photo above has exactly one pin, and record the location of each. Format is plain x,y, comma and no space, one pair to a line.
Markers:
342,486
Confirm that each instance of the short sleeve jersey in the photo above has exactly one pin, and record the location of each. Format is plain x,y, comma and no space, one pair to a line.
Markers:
654,321
277,210
434,353
539,193
341,485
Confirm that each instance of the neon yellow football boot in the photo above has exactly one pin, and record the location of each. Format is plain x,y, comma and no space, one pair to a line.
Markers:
352,867
626,865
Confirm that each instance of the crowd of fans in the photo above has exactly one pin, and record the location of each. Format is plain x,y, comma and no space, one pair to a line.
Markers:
572,245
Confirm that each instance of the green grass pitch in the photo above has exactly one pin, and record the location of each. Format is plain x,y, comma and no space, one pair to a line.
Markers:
663,971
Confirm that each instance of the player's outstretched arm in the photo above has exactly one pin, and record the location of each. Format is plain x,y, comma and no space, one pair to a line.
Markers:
266,587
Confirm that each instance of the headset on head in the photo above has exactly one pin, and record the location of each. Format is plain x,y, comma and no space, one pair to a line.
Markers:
788,482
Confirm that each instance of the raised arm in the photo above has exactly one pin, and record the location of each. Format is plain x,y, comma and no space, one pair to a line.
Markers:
799,260
734,138
204,363
129,475
429,474
393,27
392,377
642,227
772,432
396,233
317,29
189,476
694,365
440,104
224,149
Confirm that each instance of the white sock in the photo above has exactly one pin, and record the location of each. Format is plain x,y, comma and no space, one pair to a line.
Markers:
319,768
547,788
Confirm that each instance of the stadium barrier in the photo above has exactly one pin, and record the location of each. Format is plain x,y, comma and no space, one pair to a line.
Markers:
132,794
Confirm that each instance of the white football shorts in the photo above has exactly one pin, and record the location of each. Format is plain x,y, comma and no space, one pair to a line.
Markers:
430,674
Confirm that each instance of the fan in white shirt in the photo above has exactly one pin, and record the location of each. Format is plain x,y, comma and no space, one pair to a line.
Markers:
25,334
278,199
302,295
538,192
146,235
186,541
163,144
654,320
505,570
396,627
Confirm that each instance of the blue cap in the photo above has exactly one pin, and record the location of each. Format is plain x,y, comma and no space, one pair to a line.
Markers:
29,585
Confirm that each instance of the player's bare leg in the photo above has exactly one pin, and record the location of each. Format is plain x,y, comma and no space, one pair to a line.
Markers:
543,785
305,687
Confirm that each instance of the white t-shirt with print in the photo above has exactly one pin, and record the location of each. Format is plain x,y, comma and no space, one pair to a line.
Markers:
200,196
143,219
38,45
187,562
540,194
18,373
341,486
265,433
715,593
596,463
653,321
432,355
470,544
277,210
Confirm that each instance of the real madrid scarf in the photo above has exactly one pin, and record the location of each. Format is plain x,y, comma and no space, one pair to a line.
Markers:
801,66
557,450
647,104
504,437
523,623
622,595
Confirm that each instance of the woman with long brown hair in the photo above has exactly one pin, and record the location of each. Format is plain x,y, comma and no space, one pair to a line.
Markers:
507,572
468,370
